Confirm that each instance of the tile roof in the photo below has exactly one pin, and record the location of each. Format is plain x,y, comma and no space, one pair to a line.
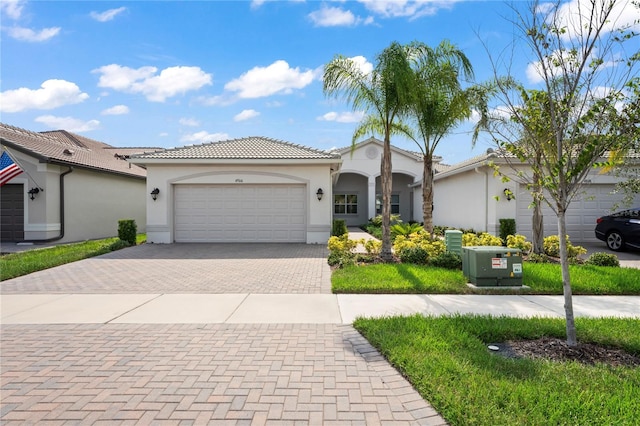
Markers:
67,148
249,148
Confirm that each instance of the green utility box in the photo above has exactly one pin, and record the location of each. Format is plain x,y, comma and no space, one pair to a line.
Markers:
453,241
490,266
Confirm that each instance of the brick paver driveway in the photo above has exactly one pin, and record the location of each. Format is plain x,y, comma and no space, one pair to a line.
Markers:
188,268
218,374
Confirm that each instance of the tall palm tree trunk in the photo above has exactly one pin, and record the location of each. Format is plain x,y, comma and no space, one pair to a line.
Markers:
427,194
386,182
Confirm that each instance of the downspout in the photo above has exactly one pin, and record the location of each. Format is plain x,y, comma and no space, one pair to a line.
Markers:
48,240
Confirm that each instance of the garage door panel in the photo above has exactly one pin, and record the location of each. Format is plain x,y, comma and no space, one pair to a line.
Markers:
595,201
234,213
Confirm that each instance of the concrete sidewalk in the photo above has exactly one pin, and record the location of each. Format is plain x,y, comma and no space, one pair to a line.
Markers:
287,308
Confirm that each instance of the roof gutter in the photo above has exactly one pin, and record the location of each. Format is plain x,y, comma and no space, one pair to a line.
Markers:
61,235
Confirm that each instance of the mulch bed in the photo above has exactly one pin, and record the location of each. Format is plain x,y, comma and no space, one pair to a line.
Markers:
555,349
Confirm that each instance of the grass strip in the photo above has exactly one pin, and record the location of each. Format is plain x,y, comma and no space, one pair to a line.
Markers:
542,278
447,361
397,278
17,264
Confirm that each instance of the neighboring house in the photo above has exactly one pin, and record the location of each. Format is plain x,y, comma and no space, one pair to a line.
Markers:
71,189
468,195
253,189
357,195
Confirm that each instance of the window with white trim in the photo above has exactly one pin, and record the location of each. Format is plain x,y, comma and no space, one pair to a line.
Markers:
345,204
395,203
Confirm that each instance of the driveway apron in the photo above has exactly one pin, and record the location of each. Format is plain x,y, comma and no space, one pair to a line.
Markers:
196,373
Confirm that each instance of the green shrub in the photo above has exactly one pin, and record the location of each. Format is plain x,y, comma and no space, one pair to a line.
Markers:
447,260
339,227
507,227
551,246
341,250
127,231
119,244
602,259
538,258
405,229
377,221
418,247
519,242
416,255
484,239
373,247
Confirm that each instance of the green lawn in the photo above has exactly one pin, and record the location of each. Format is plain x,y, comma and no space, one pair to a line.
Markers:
23,263
543,278
447,361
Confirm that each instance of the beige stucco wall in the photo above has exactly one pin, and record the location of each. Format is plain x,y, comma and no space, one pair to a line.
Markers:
474,198
160,221
94,201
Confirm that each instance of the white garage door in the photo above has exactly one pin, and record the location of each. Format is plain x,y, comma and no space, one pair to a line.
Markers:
240,213
596,200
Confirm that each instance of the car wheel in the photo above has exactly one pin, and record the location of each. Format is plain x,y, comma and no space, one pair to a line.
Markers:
615,241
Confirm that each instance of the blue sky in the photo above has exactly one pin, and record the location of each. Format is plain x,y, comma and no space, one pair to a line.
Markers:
168,73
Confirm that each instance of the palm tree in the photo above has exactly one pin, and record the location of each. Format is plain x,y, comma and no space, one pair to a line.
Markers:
384,94
438,105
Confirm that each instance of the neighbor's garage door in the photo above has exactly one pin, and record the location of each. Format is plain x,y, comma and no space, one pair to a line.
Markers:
595,201
240,213
12,213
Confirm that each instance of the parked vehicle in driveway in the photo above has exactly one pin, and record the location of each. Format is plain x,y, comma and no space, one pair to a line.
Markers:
620,230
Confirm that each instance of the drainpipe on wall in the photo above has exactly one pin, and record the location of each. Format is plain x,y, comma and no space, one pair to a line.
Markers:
486,200
48,240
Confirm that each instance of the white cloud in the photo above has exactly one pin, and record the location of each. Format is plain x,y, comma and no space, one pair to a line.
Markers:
203,137
406,8
122,78
107,15
343,117
116,110
163,134
68,123
52,94
365,66
170,82
27,34
265,81
191,122
333,17
246,115
576,13
12,8
502,111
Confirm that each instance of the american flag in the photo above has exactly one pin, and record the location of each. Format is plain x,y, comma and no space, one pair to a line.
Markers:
9,169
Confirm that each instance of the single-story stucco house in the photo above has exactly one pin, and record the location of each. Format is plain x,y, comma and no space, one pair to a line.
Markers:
253,189
469,195
70,188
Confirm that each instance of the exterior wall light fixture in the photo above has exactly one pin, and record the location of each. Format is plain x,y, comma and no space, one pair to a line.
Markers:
32,193
319,194
154,194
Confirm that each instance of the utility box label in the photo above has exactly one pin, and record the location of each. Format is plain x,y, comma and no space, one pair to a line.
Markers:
498,263
517,268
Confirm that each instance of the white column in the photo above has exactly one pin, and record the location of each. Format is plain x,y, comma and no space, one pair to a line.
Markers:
372,196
